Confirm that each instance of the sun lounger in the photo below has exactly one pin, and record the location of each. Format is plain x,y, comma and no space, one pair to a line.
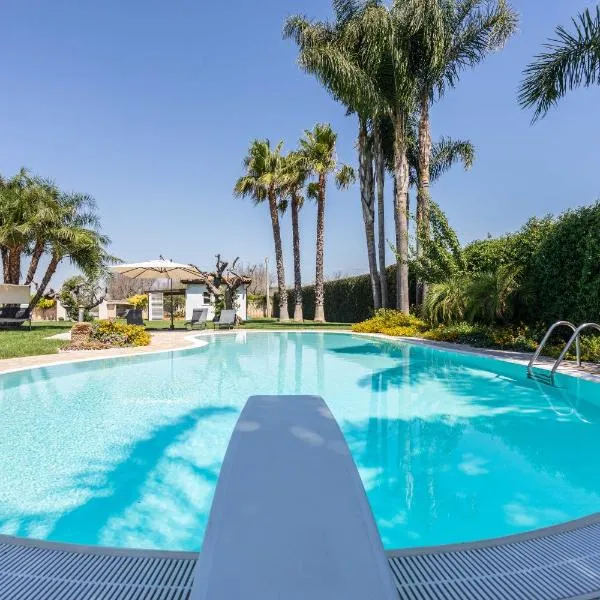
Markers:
199,316
226,320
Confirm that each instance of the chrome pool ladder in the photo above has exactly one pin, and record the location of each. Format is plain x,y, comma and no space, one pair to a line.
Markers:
548,377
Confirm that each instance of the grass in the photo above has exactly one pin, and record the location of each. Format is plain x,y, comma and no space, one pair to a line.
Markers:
22,342
253,324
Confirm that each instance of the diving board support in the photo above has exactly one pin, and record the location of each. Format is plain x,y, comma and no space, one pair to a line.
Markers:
290,512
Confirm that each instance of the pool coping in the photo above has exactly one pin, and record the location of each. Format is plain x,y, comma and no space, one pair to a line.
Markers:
512,538
561,562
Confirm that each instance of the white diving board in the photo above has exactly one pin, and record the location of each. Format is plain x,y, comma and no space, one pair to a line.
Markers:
290,512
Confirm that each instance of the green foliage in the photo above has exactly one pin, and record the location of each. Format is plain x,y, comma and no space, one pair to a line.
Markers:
79,292
570,60
442,256
347,300
446,301
484,336
139,301
391,322
115,334
45,303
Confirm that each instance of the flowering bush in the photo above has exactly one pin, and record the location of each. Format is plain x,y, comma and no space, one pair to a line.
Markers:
139,301
391,322
45,303
113,334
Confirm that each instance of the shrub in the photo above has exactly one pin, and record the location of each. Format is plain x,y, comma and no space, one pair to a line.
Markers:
391,322
484,336
45,303
139,301
117,334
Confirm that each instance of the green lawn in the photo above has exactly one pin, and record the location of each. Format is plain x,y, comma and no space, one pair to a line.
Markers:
22,342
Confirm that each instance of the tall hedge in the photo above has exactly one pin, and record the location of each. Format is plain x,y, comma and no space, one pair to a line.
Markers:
559,259
347,300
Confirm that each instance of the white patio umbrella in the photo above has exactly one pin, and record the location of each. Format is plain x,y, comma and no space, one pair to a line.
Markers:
158,269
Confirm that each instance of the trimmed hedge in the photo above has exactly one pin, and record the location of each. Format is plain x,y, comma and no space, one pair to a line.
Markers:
559,259
347,300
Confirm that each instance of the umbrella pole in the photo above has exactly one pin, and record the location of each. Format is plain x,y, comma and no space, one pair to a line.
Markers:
172,324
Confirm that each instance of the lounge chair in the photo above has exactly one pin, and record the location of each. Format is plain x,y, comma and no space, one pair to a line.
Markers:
14,316
226,320
199,316
134,317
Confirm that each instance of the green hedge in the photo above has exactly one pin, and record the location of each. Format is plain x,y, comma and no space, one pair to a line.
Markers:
559,259
347,300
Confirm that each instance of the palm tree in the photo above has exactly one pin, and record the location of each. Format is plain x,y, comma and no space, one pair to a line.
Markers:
76,236
450,37
570,60
29,210
294,173
333,54
318,149
262,181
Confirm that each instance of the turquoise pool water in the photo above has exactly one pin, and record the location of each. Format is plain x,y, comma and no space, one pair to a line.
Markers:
450,447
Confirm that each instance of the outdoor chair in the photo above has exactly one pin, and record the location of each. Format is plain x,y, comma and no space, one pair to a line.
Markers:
199,316
226,320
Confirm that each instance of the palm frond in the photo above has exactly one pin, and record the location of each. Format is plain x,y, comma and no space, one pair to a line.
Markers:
447,152
571,60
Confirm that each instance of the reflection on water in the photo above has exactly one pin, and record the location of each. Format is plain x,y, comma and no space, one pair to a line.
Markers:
449,447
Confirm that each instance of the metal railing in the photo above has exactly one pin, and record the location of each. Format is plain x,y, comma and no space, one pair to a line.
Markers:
545,339
574,338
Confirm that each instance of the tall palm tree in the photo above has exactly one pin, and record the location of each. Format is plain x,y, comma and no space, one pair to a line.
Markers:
294,173
262,181
451,35
77,237
318,149
570,60
332,52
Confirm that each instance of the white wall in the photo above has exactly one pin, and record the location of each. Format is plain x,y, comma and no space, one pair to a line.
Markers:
103,310
242,301
194,298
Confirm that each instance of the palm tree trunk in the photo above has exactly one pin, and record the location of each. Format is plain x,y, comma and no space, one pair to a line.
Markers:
38,250
319,289
14,264
4,254
282,291
298,316
379,178
50,270
401,211
423,194
368,201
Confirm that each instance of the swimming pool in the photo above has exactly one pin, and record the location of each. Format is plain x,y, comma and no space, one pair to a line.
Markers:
450,447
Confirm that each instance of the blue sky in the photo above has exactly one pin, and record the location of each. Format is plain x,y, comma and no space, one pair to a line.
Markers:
149,106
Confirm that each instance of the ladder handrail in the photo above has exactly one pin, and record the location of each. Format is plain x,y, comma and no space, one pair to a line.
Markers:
547,336
574,337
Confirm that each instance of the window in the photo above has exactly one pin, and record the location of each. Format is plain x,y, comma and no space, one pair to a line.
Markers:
206,298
